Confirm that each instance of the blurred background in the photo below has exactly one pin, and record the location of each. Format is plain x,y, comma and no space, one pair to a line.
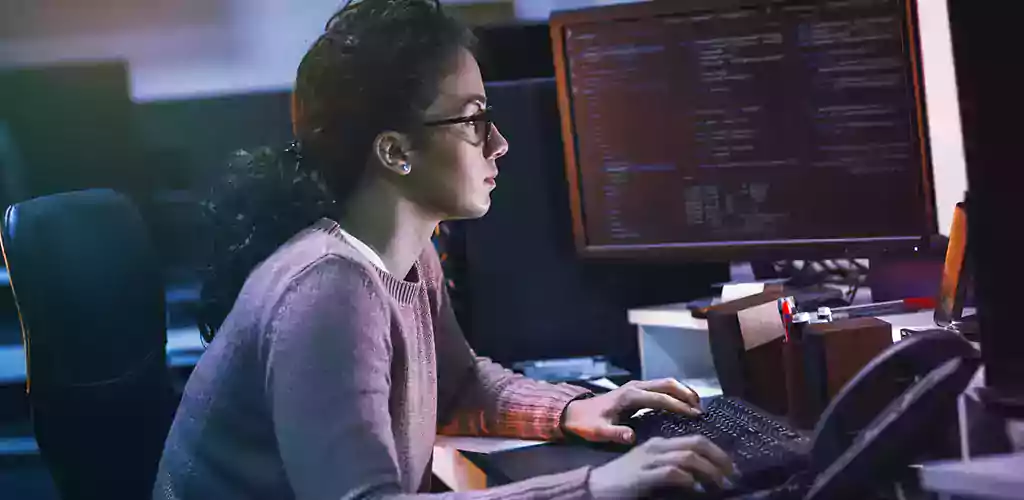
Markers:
188,51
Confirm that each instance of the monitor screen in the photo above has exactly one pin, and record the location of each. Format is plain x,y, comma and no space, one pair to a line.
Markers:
744,129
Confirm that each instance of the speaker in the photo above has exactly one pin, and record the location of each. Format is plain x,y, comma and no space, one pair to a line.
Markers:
746,337
833,353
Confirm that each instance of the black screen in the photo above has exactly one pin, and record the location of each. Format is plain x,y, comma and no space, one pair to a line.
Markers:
754,125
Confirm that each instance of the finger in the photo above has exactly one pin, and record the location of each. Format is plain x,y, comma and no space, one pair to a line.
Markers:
636,399
614,434
694,463
656,444
667,475
674,388
699,444
716,455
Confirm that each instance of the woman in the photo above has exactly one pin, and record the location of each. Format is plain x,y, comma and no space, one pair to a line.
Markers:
340,359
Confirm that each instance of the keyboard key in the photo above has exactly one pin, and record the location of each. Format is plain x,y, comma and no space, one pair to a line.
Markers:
761,447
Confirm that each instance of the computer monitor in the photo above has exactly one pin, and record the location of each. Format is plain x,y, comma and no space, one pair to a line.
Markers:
744,130
68,127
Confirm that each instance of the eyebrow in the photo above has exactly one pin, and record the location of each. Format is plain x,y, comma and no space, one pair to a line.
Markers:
471,99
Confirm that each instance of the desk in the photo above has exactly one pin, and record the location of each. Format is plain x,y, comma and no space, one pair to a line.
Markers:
674,344
989,477
549,458
464,470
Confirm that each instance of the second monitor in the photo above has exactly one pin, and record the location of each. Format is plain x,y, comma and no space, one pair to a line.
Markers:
744,129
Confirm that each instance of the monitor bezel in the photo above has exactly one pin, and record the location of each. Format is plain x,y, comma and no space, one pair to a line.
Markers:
734,250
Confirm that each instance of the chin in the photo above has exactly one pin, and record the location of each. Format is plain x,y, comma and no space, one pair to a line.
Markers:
476,212
472,210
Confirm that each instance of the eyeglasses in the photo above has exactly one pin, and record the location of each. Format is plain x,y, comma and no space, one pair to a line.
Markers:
482,124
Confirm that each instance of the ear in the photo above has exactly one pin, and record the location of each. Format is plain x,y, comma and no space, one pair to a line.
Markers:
392,150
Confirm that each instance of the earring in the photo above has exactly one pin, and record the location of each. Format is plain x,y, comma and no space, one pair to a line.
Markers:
406,168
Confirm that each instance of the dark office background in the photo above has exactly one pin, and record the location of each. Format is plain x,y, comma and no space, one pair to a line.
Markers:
528,295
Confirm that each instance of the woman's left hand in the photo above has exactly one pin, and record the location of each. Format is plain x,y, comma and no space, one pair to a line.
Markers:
598,419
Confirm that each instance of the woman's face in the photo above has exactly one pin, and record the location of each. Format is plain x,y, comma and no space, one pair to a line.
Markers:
452,169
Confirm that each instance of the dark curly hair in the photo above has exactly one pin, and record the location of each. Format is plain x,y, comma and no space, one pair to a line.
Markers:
376,67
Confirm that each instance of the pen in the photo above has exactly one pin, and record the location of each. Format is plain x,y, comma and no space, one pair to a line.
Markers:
786,310
883,308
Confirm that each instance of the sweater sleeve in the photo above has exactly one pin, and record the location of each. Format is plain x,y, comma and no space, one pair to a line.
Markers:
479,397
328,384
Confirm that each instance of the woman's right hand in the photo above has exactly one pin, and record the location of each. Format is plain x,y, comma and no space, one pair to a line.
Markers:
661,463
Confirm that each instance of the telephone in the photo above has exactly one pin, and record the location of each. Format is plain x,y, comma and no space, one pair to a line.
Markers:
883,420
859,444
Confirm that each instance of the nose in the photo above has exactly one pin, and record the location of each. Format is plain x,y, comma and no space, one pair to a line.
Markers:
497,146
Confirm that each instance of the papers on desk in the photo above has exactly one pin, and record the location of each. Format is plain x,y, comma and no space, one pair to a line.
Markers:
483,444
569,369
736,291
604,383
704,387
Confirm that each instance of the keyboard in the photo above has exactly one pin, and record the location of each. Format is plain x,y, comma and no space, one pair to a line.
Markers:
766,452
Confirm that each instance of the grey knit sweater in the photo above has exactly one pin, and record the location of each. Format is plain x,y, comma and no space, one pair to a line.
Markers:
330,379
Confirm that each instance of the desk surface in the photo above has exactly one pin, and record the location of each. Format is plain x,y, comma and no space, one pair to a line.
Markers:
989,477
549,458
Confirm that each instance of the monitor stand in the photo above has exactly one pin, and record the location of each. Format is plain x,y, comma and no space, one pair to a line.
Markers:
967,326
809,296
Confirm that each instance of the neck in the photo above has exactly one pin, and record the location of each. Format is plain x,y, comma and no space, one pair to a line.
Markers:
391,225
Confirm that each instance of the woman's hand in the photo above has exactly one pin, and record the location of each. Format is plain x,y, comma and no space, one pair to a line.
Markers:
597,419
661,463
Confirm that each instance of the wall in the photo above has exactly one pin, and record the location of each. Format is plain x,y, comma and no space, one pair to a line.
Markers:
176,48
187,48
943,110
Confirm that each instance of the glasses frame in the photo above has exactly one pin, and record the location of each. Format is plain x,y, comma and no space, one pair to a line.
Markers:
482,116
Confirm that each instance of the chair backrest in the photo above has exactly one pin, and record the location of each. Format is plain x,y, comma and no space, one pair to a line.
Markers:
88,288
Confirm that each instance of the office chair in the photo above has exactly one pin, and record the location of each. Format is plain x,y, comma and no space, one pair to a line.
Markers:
88,289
